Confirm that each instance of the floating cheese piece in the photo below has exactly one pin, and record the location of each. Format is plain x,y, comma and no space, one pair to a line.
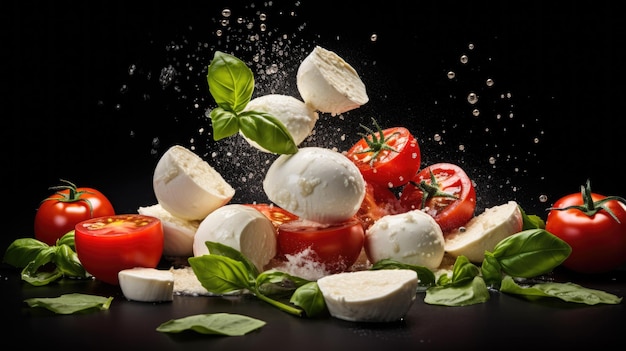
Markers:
369,296
412,237
298,117
147,284
484,231
317,184
187,186
177,232
241,227
329,84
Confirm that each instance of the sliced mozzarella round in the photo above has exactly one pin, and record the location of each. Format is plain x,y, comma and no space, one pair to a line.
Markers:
369,296
484,231
177,232
298,117
187,186
329,84
316,184
241,227
147,284
412,237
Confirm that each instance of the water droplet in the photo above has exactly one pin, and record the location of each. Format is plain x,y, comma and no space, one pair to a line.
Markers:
263,27
472,98
464,59
543,198
374,37
451,75
461,147
167,76
475,112
262,17
437,137
489,82
124,89
492,160
131,69
155,142
471,46
226,12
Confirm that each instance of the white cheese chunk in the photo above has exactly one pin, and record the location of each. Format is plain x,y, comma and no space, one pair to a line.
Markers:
369,296
147,284
177,232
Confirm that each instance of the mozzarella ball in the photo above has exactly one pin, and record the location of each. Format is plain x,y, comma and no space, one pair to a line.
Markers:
316,184
241,227
329,84
187,186
412,238
298,118
177,232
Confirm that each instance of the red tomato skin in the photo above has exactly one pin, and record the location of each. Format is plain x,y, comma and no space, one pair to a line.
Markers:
337,246
392,169
379,201
276,214
122,242
56,218
598,242
448,213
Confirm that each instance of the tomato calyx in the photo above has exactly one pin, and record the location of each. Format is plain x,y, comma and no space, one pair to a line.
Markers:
431,190
591,207
376,144
73,195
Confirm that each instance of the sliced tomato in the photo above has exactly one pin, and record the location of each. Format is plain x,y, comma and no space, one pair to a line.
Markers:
389,157
277,215
444,191
336,246
379,201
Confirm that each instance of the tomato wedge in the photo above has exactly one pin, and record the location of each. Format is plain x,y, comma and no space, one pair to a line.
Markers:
277,215
379,201
389,157
444,191
107,245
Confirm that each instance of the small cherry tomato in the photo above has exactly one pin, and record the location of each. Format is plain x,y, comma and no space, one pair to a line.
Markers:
336,246
59,213
276,214
594,226
379,201
107,245
444,191
389,157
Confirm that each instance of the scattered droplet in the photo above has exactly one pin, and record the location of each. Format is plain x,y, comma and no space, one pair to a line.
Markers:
543,198
451,75
374,37
464,59
489,82
492,160
472,98
476,112
226,12
470,46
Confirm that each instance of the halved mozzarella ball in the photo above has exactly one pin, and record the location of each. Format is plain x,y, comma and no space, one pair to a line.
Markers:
484,231
298,118
187,186
147,284
369,296
412,237
329,84
316,184
177,232
241,227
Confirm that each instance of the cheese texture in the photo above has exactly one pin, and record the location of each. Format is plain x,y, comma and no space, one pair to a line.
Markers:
187,186
329,84
316,184
484,231
296,116
412,237
241,227
147,284
369,296
178,233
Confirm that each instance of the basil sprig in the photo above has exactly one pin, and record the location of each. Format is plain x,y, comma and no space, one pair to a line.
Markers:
231,83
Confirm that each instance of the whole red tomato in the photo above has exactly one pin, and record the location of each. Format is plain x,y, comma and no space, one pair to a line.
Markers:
594,226
389,157
106,245
59,213
379,201
444,191
337,246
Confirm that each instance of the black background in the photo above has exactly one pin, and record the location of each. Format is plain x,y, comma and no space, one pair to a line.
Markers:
73,110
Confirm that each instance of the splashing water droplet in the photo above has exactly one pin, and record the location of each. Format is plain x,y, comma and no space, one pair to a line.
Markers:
226,12
543,198
464,59
470,46
475,112
489,82
451,75
472,98
492,160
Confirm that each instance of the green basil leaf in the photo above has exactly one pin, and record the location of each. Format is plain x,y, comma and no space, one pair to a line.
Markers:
22,251
267,131
470,293
225,123
220,274
491,270
568,292
231,82
531,221
68,239
32,273
72,303
530,253
218,323
216,248
463,271
309,297
425,276
274,282
68,263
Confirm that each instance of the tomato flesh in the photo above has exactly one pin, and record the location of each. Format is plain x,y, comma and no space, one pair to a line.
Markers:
106,245
379,201
337,246
450,213
276,214
391,168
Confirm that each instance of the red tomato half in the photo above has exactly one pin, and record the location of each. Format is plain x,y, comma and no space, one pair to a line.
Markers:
107,245
390,159
598,240
453,206
379,201
337,246
58,214
276,214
